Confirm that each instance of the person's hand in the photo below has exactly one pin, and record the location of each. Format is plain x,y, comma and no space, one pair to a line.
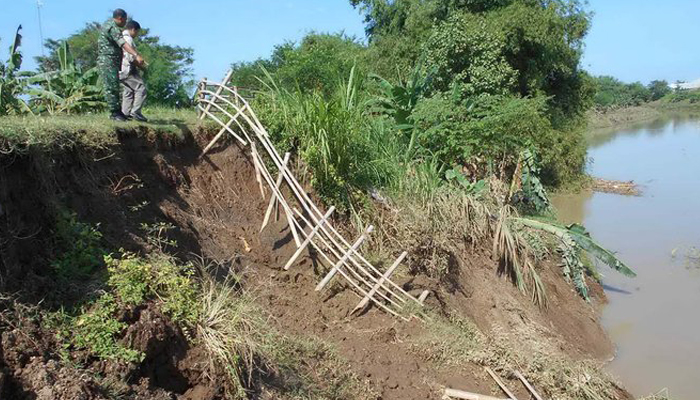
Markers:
140,60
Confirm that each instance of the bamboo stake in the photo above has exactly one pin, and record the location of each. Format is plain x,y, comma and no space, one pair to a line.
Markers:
423,296
527,385
257,164
257,128
308,239
200,95
460,394
337,266
268,178
501,384
273,199
334,250
215,118
384,277
223,130
220,88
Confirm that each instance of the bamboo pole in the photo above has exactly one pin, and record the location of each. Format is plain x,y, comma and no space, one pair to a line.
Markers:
460,394
334,250
527,385
215,118
223,130
423,296
260,167
501,384
337,266
384,277
273,199
308,239
200,95
220,88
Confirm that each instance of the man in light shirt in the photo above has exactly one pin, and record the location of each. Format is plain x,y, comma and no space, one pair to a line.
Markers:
134,93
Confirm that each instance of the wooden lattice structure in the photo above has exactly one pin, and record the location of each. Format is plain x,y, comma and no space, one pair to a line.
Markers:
223,104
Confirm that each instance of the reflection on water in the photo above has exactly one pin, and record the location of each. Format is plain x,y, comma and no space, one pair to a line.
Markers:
655,318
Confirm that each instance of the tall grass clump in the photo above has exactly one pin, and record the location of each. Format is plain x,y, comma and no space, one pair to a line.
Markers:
331,135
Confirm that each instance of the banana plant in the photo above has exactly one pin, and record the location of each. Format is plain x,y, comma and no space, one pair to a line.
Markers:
398,100
12,82
575,239
68,90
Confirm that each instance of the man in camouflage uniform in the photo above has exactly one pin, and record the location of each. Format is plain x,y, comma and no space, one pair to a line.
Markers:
109,58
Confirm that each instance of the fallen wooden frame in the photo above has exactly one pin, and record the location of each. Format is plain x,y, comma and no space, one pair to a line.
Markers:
460,394
528,386
342,258
500,383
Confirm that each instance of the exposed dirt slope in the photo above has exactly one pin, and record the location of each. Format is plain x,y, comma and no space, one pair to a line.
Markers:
216,205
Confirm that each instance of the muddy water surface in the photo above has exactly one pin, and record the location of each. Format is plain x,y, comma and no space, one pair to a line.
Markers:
654,319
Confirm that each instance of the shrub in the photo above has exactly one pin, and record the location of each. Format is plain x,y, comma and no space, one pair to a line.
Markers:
135,280
96,329
80,244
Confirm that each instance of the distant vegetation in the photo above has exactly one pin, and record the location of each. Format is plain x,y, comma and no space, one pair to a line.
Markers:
613,93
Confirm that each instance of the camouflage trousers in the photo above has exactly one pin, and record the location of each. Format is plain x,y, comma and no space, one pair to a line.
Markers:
109,70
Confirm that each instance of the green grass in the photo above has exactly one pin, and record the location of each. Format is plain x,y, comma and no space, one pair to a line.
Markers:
20,133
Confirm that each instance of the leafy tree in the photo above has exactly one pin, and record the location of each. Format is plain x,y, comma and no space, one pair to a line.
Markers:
318,63
658,89
83,45
540,41
612,93
169,74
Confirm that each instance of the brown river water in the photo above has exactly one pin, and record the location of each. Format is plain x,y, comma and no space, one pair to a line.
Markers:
653,319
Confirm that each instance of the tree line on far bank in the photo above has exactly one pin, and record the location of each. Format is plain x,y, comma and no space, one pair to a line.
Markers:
612,93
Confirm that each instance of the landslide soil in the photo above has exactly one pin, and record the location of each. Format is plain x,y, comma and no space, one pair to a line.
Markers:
216,205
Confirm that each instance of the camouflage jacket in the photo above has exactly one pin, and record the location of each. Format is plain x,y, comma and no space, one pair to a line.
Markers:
110,42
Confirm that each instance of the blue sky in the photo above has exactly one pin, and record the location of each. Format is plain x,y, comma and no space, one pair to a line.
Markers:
632,40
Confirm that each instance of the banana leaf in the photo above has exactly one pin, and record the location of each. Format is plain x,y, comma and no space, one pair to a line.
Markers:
583,239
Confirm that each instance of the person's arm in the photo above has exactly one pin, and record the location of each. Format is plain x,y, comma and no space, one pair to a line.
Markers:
129,49
119,39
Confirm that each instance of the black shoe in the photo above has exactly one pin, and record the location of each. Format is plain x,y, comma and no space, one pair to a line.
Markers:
139,117
118,116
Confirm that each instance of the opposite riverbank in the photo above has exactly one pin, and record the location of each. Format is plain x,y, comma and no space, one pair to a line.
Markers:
600,122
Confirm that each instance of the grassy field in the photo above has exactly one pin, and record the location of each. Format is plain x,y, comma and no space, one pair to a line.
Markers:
18,133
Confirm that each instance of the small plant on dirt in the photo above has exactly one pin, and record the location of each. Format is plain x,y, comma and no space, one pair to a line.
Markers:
135,280
157,235
95,328
527,191
80,243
